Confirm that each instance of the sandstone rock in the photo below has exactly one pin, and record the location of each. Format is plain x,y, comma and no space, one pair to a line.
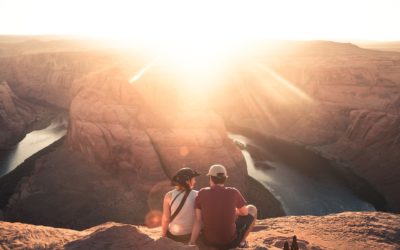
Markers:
16,116
340,104
122,151
106,236
344,105
66,191
52,78
25,236
350,230
113,124
120,236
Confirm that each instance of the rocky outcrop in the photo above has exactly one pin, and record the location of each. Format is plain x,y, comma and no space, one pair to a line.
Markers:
20,45
351,230
65,190
51,78
336,99
17,116
30,82
340,101
120,154
106,236
113,124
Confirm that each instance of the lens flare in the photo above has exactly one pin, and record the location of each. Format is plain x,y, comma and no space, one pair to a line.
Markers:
153,218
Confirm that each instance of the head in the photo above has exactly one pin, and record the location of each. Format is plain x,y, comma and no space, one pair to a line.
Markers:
184,178
218,175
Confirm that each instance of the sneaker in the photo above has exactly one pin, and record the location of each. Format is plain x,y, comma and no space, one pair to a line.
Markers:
243,244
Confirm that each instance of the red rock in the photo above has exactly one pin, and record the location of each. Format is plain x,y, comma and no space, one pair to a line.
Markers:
350,230
16,116
353,115
112,124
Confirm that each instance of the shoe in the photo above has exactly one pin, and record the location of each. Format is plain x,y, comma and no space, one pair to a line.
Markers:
243,244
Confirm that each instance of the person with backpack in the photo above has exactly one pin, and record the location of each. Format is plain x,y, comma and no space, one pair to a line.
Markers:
178,206
223,212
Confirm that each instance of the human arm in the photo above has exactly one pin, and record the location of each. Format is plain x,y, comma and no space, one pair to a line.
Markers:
243,211
196,227
241,204
166,216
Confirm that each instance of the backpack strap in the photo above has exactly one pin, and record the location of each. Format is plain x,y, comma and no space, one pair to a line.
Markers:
170,205
180,205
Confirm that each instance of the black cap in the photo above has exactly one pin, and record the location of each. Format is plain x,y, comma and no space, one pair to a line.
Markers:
183,175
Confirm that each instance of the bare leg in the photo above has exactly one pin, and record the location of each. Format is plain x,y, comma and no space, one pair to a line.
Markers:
253,211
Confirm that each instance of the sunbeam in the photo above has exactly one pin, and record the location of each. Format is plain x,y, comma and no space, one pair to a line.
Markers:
143,70
284,83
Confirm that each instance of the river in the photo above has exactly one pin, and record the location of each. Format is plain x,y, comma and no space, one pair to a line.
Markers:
32,143
299,192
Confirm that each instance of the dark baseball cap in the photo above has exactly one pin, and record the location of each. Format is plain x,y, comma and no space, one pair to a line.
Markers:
183,175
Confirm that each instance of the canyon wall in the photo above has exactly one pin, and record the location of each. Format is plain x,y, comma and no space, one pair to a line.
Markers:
126,139
341,101
51,78
120,152
113,124
17,116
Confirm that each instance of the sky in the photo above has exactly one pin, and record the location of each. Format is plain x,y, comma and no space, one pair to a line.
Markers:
152,20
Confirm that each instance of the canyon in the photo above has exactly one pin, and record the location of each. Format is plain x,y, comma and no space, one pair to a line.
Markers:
338,100
125,139
351,230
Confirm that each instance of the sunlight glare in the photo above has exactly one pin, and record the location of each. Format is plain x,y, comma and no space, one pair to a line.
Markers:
285,83
143,70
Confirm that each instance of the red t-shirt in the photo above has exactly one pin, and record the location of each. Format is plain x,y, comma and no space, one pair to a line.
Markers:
218,209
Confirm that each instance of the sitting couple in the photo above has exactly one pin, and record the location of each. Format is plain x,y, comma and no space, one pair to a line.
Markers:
220,213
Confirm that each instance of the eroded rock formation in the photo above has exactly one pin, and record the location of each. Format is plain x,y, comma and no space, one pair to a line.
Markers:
336,99
113,124
351,230
16,116
51,78
120,153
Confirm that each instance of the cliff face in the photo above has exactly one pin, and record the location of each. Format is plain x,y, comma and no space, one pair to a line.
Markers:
124,142
113,123
120,153
50,77
338,231
343,105
16,116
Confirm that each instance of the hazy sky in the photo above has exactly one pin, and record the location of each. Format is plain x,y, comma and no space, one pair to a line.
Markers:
152,20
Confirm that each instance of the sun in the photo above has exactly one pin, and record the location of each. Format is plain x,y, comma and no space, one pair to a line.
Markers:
199,58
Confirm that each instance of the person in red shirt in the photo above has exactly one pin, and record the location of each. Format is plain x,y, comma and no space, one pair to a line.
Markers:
224,213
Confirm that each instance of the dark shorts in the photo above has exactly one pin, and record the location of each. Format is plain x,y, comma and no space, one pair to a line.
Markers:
180,238
242,224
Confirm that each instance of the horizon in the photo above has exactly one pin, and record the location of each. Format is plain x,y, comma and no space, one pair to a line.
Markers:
206,22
